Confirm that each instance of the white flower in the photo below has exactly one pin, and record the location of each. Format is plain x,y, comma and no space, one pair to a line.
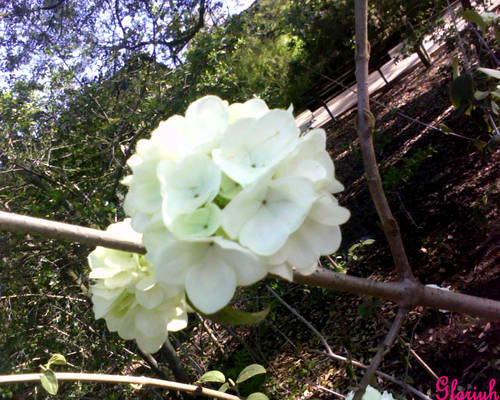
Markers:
311,160
189,184
207,120
318,235
209,268
225,195
198,132
372,394
262,216
252,146
127,296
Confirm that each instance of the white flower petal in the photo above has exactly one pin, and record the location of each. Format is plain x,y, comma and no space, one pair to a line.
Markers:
151,344
150,322
248,267
228,187
283,270
202,222
175,258
151,297
177,318
207,121
263,217
264,233
254,108
192,182
326,210
252,147
210,286
171,135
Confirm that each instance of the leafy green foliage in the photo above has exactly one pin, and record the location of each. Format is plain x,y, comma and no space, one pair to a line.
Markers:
394,175
247,373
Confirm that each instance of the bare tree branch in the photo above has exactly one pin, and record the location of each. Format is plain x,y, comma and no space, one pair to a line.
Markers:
381,352
406,293
366,123
139,380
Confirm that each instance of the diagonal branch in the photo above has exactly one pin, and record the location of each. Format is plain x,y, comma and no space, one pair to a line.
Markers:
305,321
381,352
406,293
366,123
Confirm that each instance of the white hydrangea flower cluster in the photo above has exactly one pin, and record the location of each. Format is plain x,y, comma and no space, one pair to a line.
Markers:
229,193
126,294
372,394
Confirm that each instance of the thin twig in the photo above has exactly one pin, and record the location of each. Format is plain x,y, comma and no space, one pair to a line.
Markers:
305,321
490,52
381,352
383,375
138,380
341,396
51,296
459,38
411,352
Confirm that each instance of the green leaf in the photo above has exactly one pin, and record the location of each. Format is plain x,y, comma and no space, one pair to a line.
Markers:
257,396
481,95
461,90
490,72
231,316
368,241
495,108
212,376
249,372
56,359
475,18
224,387
489,18
49,381
445,128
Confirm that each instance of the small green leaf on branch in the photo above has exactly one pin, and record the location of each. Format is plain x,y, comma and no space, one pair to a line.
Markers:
212,376
249,372
49,381
56,359
475,18
257,396
231,316
224,387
